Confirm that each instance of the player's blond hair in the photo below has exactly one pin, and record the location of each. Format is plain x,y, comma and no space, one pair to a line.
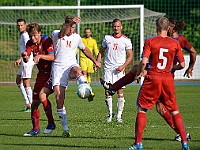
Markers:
32,28
162,23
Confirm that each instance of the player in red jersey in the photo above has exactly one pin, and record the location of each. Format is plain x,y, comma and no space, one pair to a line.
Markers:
175,27
43,53
160,51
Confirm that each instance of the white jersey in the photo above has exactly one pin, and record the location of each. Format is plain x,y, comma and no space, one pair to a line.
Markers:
24,37
65,48
26,68
116,48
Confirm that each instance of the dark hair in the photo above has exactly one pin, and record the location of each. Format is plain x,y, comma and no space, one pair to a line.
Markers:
178,25
69,20
88,29
21,20
32,28
162,23
116,20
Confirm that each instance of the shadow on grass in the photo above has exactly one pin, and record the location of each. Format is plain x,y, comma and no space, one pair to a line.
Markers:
66,145
23,119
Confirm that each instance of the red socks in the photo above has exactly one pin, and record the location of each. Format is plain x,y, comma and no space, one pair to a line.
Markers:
48,111
140,126
35,117
179,124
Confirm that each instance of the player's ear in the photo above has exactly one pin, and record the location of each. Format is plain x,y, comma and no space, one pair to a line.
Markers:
121,27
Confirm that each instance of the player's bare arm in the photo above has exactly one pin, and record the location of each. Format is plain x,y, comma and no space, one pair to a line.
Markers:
193,54
141,68
64,31
178,66
101,53
49,57
17,62
127,62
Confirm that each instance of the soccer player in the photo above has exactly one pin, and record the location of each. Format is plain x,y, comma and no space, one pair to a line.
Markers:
85,63
175,27
65,65
117,46
25,71
160,51
43,53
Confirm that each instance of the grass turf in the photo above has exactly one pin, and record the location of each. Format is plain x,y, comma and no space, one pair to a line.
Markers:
87,122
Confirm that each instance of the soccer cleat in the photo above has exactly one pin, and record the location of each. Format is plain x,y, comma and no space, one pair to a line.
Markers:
66,133
32,133
119,120
178,137
107,86
91,97
109,118
28,110
49,128
138,146
26,107
185,146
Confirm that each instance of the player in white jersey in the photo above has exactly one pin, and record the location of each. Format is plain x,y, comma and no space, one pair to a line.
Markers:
117,46
65,65
25,71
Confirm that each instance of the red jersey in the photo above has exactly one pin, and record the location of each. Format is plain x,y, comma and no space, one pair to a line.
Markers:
161,52
184,45
45,47
184,42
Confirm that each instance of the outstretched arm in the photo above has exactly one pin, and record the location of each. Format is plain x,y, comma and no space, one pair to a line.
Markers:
88,54
193,54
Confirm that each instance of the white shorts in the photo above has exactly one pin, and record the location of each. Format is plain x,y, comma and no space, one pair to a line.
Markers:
111,75
60,75
25,70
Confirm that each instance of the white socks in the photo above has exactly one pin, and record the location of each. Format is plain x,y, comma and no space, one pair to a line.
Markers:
108,101
120,106
81,79
23,91
63,118
29,94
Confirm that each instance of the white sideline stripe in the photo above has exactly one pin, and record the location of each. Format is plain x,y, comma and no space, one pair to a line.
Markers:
168,126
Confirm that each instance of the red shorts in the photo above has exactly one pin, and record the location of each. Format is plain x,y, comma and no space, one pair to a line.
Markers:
158,87
42,80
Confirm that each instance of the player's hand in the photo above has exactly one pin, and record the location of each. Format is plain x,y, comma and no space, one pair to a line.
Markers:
77,19
36,59
17,62
119,69
98,64
188,72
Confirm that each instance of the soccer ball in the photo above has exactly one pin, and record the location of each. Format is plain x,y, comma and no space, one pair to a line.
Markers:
84,91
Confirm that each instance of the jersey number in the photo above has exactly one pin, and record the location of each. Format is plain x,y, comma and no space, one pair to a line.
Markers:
161,56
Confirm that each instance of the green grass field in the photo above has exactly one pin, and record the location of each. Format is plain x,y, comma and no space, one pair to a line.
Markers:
87,123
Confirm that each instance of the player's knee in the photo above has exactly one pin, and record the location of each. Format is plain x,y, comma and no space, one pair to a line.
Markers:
42,96
134,69
174,112
121,95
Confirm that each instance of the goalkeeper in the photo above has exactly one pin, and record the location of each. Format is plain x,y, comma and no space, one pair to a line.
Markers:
85,63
